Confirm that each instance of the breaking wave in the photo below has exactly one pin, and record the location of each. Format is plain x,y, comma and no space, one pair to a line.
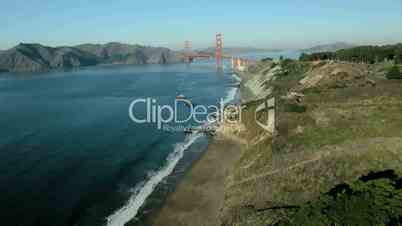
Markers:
145,189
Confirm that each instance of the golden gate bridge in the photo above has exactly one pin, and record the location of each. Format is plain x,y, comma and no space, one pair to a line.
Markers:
238,63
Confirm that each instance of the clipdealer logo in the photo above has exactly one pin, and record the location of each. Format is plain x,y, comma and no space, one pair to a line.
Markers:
165,114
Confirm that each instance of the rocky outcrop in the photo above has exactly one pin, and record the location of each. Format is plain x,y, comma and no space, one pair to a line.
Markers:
258,84
36,57
335,75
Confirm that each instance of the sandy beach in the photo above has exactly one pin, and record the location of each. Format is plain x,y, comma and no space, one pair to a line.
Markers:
200,195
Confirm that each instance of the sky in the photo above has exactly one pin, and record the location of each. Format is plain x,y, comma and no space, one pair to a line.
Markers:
281,24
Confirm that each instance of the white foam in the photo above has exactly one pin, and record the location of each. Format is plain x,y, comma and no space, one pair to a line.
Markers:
236,77
142,192
231,95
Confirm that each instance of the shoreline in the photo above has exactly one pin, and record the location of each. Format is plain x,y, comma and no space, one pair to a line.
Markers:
133,207
150,196
198,197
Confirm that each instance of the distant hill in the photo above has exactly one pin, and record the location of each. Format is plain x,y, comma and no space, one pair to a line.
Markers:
115,52
328,47
239,50
36,57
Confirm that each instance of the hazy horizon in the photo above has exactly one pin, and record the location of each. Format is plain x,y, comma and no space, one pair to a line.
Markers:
269,25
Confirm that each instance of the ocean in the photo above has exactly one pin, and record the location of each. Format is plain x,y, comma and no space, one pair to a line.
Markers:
71,155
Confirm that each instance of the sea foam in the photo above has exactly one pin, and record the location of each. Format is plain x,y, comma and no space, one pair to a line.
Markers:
130,209
231,94
236,77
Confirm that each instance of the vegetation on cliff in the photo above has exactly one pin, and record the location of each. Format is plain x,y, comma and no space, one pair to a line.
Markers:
374,199
336,123
394,73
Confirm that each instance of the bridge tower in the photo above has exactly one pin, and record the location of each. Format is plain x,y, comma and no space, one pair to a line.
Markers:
219,49
187,51
187,47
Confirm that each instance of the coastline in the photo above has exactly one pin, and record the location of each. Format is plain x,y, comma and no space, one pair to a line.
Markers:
245,93
198,197
136,211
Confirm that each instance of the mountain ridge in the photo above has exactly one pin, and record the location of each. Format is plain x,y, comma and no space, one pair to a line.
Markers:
31,57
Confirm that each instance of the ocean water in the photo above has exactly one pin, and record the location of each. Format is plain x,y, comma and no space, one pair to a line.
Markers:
70,154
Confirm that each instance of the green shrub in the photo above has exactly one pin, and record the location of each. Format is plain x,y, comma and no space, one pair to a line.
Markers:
394,73
374,200
287,62
267,59
274,65
297,108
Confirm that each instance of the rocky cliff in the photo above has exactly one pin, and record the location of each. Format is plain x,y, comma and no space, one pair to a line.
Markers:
35,57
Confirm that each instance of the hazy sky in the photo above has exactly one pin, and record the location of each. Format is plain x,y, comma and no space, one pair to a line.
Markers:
258,23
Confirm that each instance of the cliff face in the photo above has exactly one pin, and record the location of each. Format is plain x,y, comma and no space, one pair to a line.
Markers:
36,57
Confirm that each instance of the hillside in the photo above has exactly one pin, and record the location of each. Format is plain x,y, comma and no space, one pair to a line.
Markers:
35,57
130,54
336,149
328,47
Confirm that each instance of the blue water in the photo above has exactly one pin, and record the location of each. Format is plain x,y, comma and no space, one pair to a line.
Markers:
69,153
